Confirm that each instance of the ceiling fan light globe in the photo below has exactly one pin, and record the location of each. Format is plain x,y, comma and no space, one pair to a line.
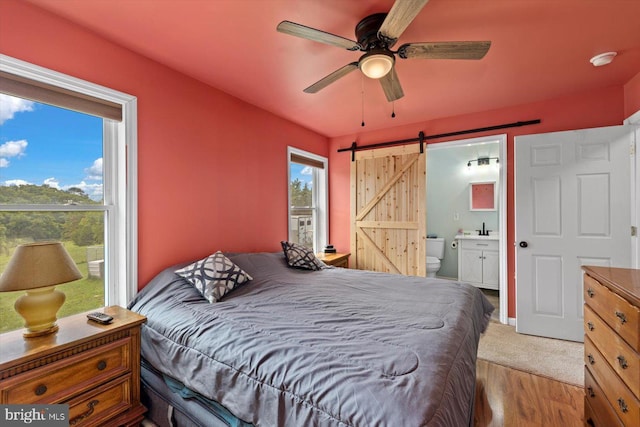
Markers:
376,65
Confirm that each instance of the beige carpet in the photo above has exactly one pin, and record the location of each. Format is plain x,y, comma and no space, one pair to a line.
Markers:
555,359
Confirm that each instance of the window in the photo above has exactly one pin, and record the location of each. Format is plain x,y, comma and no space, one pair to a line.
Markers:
67,162
307,199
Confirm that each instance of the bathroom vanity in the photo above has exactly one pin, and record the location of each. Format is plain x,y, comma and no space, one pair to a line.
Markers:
479,260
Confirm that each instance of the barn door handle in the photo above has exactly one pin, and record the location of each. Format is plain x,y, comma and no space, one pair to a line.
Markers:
523,244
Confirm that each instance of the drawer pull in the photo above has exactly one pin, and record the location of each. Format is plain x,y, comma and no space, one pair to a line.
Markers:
590,293
620,315
622,405
590,392
41,389
81,417
623,362
101,365
592,361
590,326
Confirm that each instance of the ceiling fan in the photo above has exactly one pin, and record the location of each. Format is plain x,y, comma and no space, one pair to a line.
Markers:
376,35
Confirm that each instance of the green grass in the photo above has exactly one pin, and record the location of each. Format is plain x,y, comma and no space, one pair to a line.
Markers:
82,295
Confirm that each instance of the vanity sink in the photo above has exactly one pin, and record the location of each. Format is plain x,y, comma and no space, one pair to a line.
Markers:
477,237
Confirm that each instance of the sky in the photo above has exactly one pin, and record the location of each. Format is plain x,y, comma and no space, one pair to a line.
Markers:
41,144
303,173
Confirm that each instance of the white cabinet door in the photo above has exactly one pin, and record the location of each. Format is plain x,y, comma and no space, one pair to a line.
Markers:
491,269
471,265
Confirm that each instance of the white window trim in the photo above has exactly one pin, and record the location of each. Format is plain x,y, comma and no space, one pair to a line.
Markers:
322,194
122,248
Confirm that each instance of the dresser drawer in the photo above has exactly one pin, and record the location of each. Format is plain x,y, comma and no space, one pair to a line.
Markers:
617,353
102,404
55,382
624,403
623,317
598,411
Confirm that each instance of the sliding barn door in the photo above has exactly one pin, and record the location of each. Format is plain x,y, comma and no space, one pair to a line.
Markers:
388,210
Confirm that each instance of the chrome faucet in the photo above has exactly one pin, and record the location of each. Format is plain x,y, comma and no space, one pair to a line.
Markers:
483,232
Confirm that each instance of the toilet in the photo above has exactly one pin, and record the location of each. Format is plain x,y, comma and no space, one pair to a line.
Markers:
435,252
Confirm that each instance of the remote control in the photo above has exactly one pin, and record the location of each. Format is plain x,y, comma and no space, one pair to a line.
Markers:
100,317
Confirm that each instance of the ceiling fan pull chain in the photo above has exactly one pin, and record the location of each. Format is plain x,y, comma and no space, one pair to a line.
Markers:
393,110
362,93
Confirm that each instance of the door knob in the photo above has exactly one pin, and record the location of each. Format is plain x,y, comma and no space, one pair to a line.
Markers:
523,244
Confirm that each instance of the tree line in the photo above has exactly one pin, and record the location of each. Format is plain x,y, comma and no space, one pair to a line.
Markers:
82,228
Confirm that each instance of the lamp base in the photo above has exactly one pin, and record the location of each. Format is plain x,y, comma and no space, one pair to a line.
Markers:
52,330
38,308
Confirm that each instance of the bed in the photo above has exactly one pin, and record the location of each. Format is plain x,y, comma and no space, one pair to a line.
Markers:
296,347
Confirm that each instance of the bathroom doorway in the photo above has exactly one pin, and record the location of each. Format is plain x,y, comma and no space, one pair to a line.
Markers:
452,168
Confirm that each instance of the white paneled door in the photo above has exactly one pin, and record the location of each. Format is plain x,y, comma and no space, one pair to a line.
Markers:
573,192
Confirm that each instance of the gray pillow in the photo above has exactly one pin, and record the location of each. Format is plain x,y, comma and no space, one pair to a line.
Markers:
214,276
299,256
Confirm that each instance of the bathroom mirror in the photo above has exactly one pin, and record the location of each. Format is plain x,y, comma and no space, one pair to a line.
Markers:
482,196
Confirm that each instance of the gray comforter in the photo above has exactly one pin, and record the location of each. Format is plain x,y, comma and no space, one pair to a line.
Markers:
335,347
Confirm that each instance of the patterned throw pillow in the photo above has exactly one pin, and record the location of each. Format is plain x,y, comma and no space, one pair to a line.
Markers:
214,276
299,256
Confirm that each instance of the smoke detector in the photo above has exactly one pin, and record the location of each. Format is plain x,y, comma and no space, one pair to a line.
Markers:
603,59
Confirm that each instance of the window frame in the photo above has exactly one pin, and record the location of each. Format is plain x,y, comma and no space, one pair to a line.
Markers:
120,180
320,196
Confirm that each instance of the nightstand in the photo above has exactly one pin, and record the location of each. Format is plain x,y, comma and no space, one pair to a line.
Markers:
335,259
93,368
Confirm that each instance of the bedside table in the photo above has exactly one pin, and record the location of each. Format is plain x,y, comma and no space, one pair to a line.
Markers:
93,368
336,259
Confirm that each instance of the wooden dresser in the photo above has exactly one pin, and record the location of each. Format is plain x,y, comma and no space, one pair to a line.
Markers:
612,346
94,368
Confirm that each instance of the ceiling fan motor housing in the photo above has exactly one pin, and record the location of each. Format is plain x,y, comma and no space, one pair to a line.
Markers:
367,32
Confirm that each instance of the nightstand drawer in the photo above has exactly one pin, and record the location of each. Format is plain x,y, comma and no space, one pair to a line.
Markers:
101,404
623,317
63,379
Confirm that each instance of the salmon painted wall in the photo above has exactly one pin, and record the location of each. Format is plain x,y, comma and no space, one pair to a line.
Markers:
632,96
596,108
212,169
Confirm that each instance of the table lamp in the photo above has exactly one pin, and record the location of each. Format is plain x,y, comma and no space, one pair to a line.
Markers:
36,268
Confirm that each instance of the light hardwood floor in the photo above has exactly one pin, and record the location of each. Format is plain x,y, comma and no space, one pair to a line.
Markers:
511,398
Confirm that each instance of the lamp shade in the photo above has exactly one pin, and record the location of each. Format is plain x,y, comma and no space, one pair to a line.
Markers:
37,265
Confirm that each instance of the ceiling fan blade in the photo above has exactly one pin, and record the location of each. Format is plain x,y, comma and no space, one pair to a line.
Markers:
444,50
391,86
326,81
402,13
299,30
